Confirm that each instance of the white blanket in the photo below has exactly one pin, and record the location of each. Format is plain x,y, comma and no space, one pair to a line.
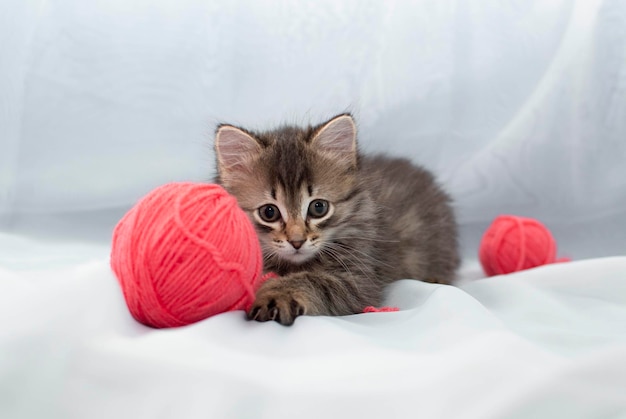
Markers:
545,343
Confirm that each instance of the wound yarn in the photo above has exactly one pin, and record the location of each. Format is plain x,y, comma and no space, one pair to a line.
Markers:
184,252
513,243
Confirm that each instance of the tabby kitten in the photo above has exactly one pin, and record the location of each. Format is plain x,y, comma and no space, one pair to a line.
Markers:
335,225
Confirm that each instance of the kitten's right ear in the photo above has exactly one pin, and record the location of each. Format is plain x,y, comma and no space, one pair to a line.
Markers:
235,149
337,139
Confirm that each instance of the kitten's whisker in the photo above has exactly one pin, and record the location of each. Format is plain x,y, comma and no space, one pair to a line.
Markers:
367,256
336,257
269,253
354,256
366,238
271,257
334,254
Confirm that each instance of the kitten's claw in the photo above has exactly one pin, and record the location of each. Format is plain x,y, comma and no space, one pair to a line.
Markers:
296,308
273,313
253,314
276,305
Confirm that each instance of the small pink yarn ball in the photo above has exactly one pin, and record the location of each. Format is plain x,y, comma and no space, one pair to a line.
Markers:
512,244
184,252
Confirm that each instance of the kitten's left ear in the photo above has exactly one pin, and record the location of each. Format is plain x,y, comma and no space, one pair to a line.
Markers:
337,139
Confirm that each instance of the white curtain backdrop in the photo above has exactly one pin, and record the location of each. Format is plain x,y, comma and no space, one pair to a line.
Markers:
519,106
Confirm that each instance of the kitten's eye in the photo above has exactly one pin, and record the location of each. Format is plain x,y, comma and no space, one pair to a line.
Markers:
318,208
269,213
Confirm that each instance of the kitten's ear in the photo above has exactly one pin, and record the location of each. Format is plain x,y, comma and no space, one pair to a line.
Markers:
235,149
337,139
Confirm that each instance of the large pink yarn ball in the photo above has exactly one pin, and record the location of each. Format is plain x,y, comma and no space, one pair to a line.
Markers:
184,252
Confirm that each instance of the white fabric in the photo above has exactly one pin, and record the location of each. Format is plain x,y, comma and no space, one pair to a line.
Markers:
518,106
545,343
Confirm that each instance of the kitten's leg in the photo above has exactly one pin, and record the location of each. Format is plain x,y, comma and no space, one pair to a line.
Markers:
309,293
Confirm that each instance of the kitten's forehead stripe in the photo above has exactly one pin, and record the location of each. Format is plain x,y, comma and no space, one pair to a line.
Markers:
292,170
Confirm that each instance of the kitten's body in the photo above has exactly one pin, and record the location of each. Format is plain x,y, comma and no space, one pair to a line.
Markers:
385,218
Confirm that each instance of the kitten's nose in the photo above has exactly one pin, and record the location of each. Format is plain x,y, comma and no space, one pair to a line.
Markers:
296,243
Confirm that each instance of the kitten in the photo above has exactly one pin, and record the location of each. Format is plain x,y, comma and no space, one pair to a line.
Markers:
335,225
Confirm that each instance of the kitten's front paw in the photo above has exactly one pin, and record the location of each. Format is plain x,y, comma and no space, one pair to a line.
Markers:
276,304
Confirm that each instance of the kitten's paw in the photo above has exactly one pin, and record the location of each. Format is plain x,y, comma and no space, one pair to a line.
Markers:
278,305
